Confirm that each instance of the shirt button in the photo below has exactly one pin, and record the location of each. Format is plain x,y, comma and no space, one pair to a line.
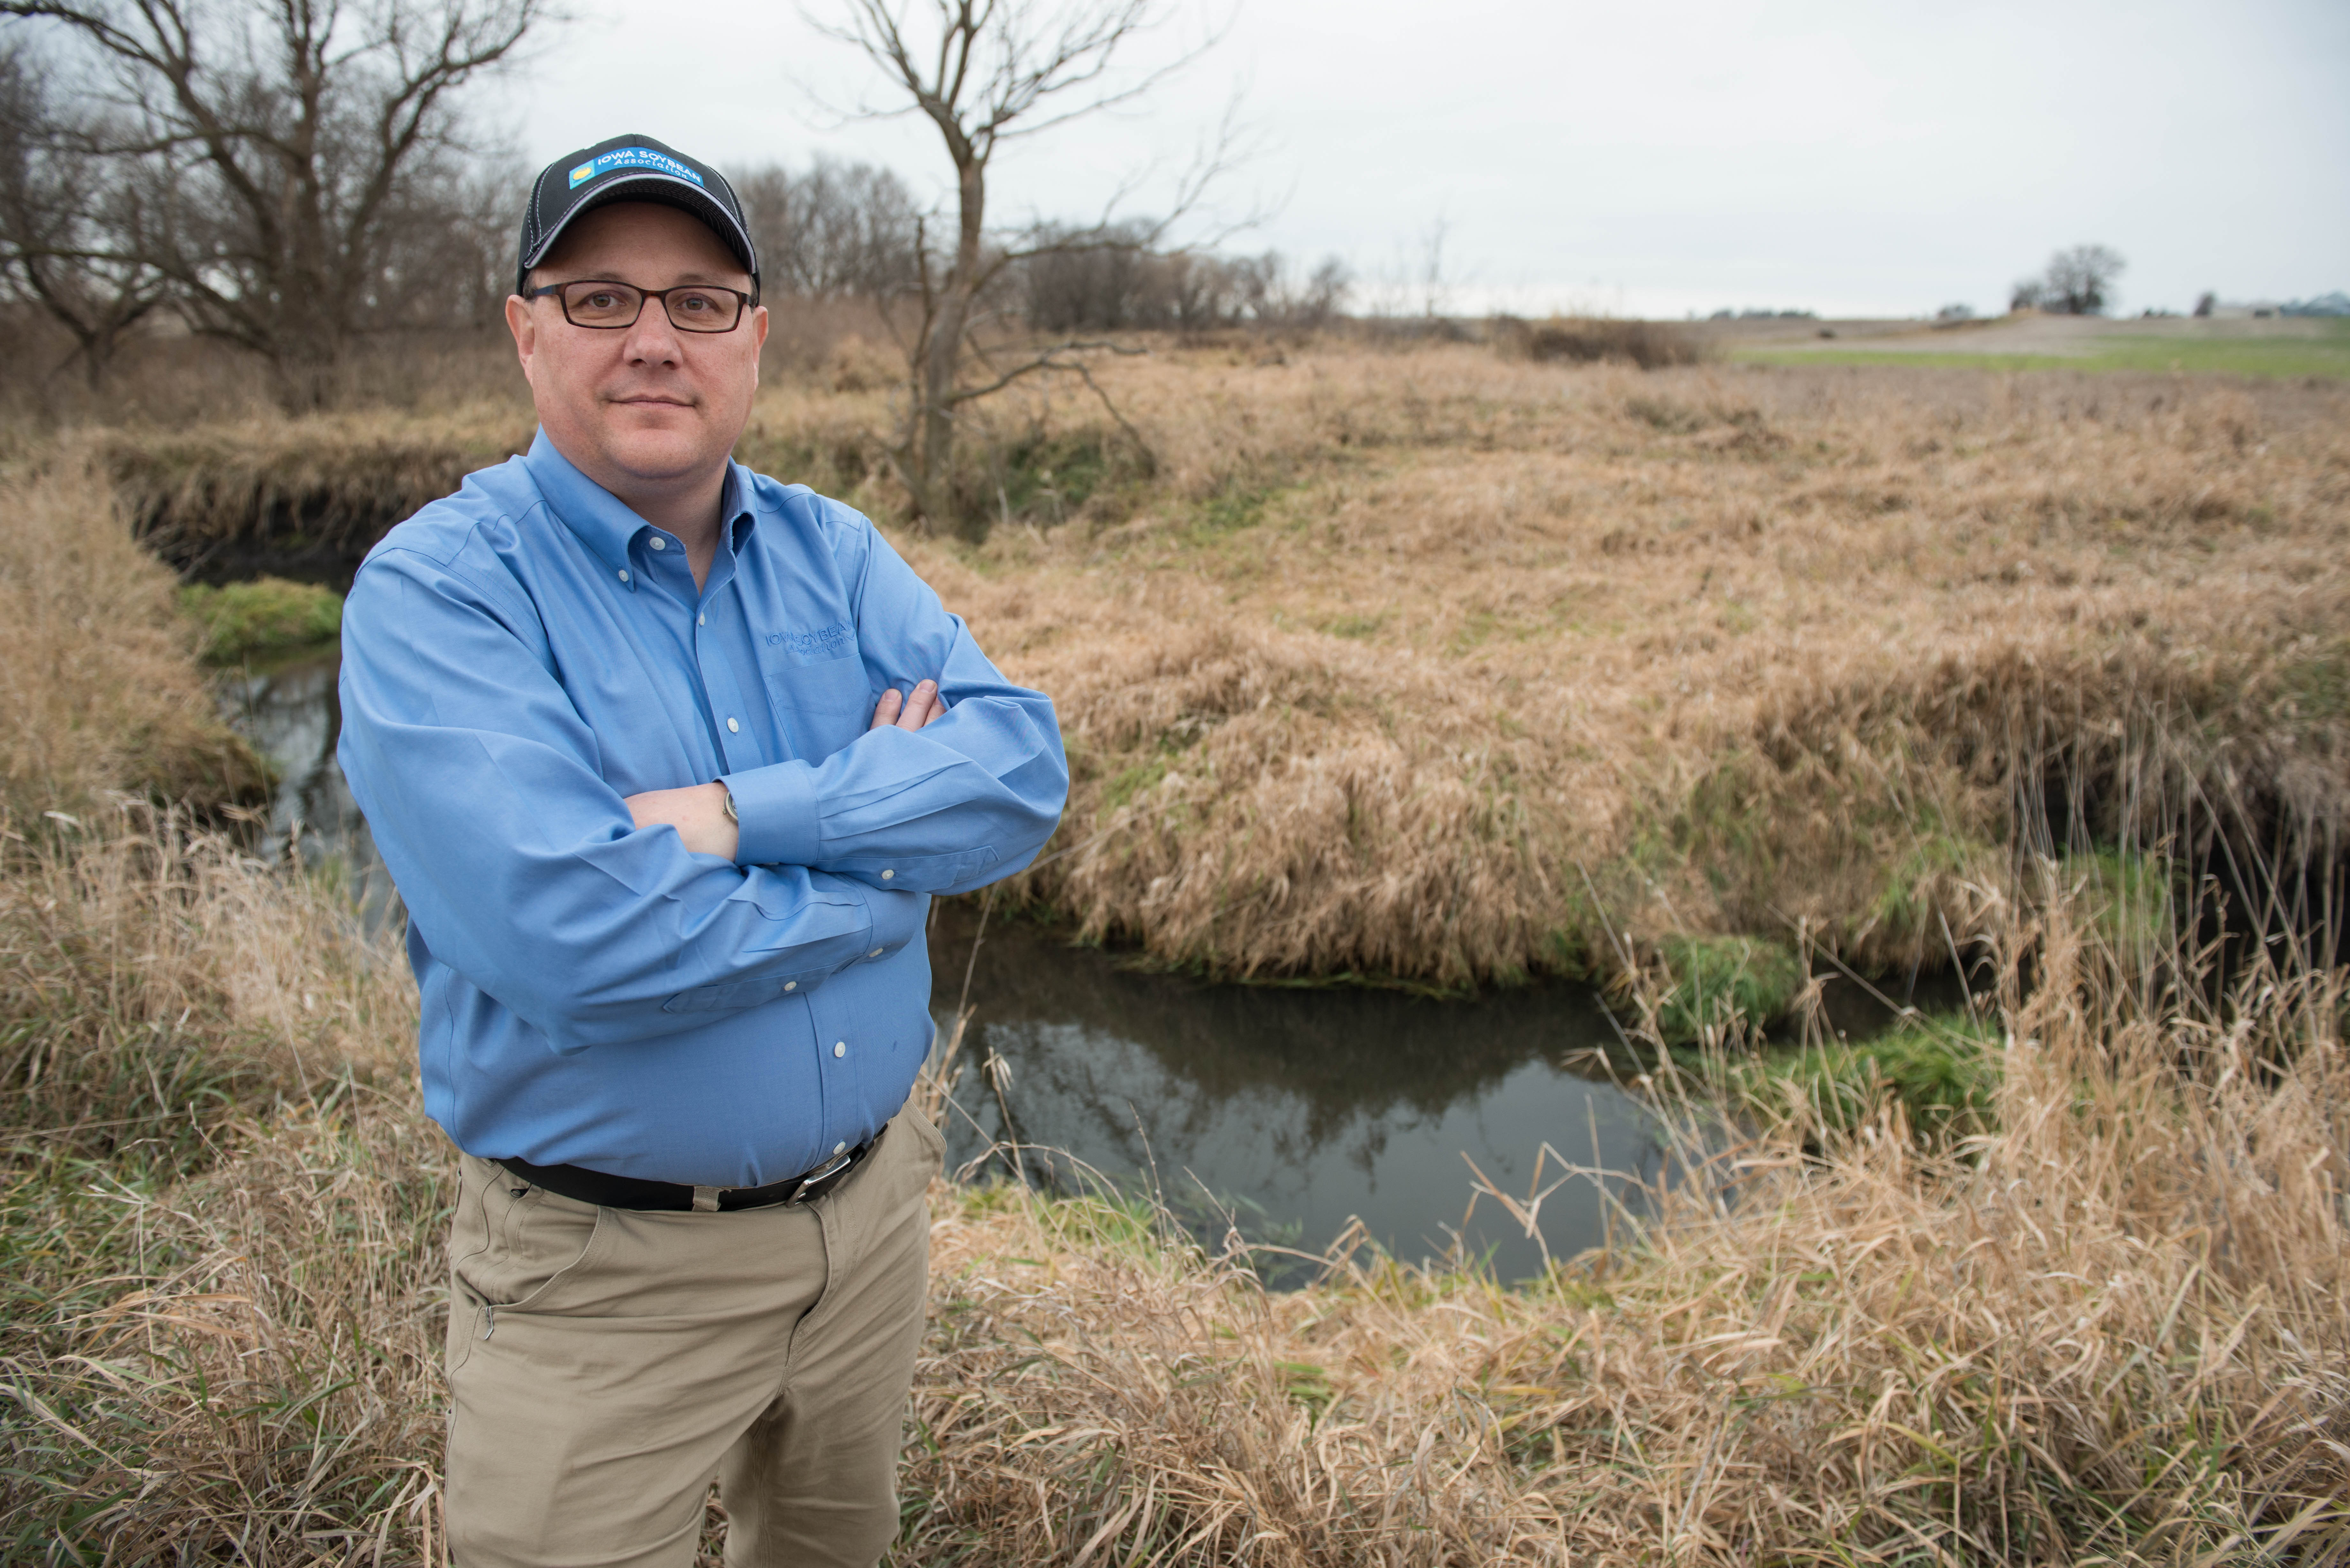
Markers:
624,573
886,875
733,728
839,1048
660,543
701,620
791,985
840,1148
875,953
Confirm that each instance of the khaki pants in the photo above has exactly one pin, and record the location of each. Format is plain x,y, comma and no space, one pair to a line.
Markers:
605,1364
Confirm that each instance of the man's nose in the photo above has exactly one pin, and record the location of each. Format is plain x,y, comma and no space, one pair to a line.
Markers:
653,339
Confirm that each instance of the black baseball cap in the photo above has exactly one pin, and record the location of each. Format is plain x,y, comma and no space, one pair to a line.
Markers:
631,168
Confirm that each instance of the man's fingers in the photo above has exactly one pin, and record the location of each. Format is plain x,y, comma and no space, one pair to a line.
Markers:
885,711
917,707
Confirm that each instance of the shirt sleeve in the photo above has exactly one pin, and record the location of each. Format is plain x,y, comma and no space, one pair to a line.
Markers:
968,799
522,868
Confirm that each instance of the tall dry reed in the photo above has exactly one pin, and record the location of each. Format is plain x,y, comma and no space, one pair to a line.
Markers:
98,690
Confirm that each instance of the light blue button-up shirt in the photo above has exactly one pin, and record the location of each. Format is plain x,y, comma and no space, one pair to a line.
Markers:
518,657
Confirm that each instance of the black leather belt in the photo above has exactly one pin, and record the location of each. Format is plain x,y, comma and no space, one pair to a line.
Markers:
586,1186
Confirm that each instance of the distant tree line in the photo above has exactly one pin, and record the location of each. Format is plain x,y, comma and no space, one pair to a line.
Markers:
1111,279
850,230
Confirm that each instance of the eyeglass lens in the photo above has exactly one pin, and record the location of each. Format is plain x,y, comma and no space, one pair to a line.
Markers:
600,303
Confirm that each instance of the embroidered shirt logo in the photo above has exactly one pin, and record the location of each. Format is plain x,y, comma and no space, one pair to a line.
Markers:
824,642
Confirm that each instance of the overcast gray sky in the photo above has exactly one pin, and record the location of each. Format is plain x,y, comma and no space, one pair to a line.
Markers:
1657,158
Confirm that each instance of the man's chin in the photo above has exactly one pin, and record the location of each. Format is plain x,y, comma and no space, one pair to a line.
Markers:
657,454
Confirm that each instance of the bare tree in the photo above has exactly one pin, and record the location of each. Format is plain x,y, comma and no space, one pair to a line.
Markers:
986,72
1435,291
2078,282
73,231
2081,279
286,146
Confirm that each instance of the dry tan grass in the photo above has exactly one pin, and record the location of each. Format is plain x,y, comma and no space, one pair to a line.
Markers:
98,692
2108,1330
1409,642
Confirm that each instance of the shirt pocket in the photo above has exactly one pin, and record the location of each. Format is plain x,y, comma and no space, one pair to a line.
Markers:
742,994
820,671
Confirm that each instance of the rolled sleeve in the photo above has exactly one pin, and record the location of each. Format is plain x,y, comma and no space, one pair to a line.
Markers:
778,812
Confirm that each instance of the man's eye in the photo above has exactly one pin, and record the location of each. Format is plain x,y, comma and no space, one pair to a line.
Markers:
695,304
602,299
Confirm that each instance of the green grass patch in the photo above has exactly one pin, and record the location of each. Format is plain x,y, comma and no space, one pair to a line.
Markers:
1906,905
1943,1069
2275,358
266,616
1715,980
1356,626
1050,477
1234,505
2129,895
1132,782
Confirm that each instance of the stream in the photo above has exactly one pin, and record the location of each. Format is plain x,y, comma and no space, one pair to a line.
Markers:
1288,1112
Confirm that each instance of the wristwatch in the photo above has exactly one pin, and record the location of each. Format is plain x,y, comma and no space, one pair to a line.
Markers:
729,805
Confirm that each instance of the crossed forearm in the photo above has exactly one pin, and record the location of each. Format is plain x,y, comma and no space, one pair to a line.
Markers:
698,811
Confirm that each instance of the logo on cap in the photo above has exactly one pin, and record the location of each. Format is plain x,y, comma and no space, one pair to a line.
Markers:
632,157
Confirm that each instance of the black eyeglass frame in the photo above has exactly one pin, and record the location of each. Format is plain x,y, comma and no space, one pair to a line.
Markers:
746,303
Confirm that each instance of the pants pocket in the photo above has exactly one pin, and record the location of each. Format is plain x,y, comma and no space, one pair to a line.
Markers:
511,1244
934,1141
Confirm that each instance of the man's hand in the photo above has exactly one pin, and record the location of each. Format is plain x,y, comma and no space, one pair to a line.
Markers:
909,712
698,815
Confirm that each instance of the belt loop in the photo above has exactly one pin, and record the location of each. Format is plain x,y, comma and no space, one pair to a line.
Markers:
705,1200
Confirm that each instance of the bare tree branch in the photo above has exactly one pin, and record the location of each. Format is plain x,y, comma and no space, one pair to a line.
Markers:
286,148
983,73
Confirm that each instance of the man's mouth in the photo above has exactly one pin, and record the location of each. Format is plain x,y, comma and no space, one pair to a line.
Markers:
653,399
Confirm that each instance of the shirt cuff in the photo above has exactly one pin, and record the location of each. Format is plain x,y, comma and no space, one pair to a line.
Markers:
897,917
776,807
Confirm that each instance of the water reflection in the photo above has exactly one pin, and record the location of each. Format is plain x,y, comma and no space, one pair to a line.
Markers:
1299,1110
290,713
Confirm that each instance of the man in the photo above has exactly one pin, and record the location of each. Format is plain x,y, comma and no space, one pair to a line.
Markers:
666,759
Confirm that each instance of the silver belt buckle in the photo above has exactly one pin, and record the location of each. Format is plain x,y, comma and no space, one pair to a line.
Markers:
809,1182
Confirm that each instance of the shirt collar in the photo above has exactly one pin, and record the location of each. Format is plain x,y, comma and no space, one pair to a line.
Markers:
605,524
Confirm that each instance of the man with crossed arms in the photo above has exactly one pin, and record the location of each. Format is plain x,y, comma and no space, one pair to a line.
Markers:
666,759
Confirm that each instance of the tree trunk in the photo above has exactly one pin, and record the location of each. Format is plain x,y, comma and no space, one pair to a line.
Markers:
942,355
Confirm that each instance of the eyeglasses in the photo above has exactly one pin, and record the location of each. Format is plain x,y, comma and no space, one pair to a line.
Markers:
604,306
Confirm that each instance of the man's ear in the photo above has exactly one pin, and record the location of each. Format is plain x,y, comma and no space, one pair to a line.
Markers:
525,327
758,339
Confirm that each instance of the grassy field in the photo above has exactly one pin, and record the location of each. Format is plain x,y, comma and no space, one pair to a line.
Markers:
2324,355
1421,667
